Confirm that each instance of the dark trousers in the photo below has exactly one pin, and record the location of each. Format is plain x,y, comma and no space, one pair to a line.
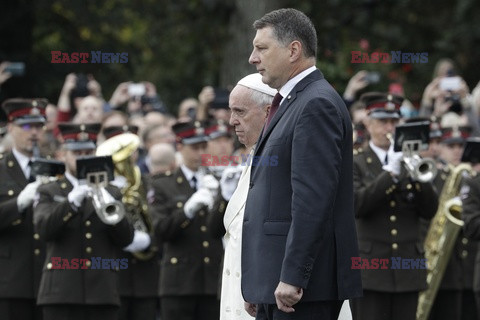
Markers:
80,312
201,307
447,305
327,310
469,310
377,305
138,308
19,309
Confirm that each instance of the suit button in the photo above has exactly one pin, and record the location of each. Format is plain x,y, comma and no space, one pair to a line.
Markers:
394,246
88,249
203,229
464,254
173,260
49,265
202,213
179,205
464,241
87,223
206,260
88,235
205,244
36,236
63,185
88,263
10,192
394,232
392,204
393,218
409,186
36,252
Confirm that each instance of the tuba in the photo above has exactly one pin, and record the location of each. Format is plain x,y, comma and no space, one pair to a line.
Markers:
441,237
121,148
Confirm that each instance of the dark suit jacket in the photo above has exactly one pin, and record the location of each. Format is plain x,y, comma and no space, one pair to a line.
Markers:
388,223
82,235
299,224
22,252
191,256
471,216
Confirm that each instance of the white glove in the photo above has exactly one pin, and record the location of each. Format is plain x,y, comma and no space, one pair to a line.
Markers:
203,197
210,183
394,162
141,240
27,195
120,182
77,194
229,181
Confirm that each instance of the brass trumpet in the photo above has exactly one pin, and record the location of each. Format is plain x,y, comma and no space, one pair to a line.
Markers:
419,169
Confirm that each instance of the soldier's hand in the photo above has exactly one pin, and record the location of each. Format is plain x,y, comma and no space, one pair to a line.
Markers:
394,161
26,197
210,183
229,181
141,241
199,199
77,194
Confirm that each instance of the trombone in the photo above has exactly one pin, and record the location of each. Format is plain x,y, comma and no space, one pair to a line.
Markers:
422,170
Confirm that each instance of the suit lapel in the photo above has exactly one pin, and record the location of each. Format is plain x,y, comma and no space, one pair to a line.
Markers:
287,101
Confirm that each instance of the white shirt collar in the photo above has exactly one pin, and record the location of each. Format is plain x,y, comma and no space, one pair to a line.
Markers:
381,154
189,174
22,161
287,87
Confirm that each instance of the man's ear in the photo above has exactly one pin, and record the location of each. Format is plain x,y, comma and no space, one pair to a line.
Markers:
296,50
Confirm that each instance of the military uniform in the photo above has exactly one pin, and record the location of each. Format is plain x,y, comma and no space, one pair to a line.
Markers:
457,281
191,256
80,274
471,216
22,251
387,211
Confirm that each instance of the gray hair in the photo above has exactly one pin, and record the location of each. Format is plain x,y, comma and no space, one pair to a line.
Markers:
289,25
260,99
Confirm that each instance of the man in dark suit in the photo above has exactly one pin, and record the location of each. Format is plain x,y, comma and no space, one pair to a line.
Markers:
22,251
388,206
180,203
299,230
80,275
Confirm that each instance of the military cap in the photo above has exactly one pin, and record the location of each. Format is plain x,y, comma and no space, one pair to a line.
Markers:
381,105
22,111
189,132
451,135
112,131
218,128
79,136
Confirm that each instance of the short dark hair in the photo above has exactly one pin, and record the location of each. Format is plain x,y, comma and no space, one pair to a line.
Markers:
289,25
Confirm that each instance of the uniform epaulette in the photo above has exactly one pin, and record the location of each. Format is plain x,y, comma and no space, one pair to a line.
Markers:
357,151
